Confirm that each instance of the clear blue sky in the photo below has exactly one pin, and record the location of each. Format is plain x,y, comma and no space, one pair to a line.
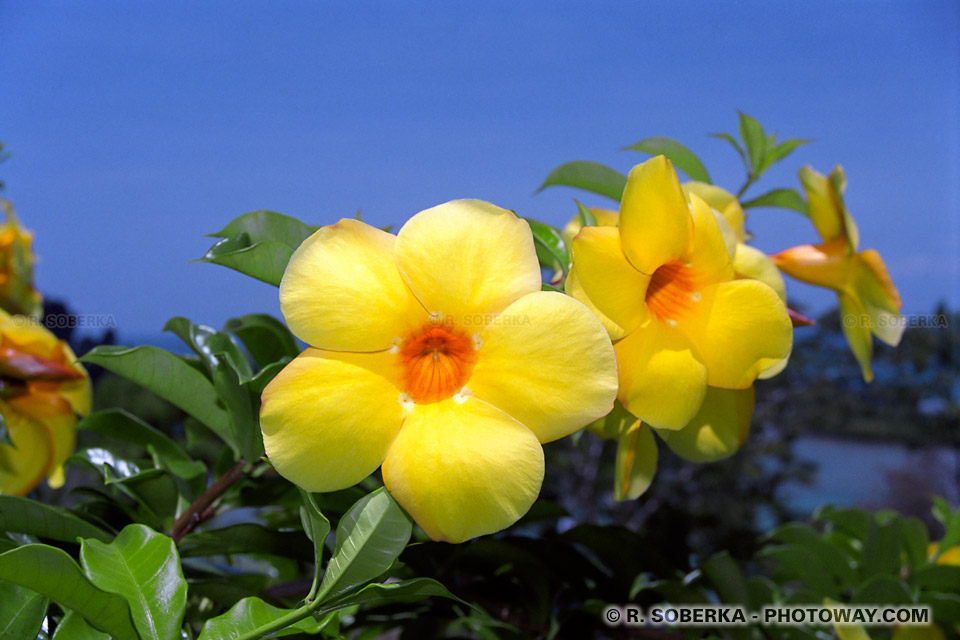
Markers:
137,127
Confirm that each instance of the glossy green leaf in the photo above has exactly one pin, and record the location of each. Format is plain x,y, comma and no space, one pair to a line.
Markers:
395,592
727,579
265,261
317,527
252,613
268,225
171,378
74,627
783,198
681,157
587,219
266,338
751,132
369,538
552,251
117,423
143,567
54,574
21,611
589,176
210,345
244,538
23,515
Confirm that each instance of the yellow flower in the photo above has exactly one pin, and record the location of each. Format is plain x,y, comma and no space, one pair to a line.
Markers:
869,301
664,286
17,294
42,388
435,354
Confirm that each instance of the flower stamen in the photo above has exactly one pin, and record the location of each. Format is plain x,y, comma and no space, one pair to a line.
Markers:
436,363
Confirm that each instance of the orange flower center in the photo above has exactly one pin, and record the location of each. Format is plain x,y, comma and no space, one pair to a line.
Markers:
436,363
673,291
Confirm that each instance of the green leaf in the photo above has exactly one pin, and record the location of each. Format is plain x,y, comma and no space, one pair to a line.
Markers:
395,592
794,562
636,461
945,606
751,132
54,574
317,527
265,261
776,153
951,525
727,579
252,613
370,536
143,567
552,251
681,157
171,378
881,550
736,145
838,562
266,338
244,538
117,423
21,611
915,540
885,589
212,346
851,522
587,219
589,176
783,198
937,577
268,225
45,521
74,627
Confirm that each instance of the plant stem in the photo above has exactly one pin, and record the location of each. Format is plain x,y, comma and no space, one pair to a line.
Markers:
746,185
200,510
280,623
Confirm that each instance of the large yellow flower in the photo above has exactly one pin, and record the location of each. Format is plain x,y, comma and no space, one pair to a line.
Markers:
435,354
17,294
664,285
869,301
42,388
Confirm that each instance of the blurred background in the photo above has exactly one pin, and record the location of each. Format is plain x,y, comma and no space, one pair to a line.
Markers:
135,129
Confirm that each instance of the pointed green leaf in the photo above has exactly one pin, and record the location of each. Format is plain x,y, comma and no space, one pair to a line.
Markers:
171,378
589,176
266,261
316,525
268,225
246,537
143,567
370,536
751,132
210,345
587,219
266,338
399,592
74,627
681,157
776,153
23,515
552,251
736,145
52,573
784,198
252,613
21,611
881,550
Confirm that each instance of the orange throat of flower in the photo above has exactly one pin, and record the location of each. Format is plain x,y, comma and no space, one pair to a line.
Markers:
436,363
673,291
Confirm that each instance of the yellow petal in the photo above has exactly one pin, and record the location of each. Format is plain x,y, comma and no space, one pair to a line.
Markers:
463,469
662,379
708,252
721,200
636,462
467,257
342,290
546,361
826,265
22,468
603,279
604,218
880,298
826,207
328,418
655,221
750,262
718,429
740,329
856,327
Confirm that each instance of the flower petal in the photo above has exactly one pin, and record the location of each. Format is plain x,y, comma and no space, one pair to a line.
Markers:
547,362
467,257
751,263
22,468
603,279
826,265
463,469
740,328
880,298
856,328
342,290
604,218
655,222
723,201
718,429
662,379
709,253
825,203
328,418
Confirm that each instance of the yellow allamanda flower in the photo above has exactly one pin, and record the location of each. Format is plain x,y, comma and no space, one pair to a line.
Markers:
664,285
434,353
42,389
17,294
869,301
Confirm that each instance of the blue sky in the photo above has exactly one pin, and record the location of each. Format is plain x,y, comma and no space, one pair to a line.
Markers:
138,127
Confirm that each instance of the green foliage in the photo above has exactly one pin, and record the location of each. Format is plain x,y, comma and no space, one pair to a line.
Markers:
681,157
552,251
589,176
21,611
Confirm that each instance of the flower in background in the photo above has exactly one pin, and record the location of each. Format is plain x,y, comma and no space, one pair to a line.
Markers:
42,389
869,301
664,285
17,294
434,353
